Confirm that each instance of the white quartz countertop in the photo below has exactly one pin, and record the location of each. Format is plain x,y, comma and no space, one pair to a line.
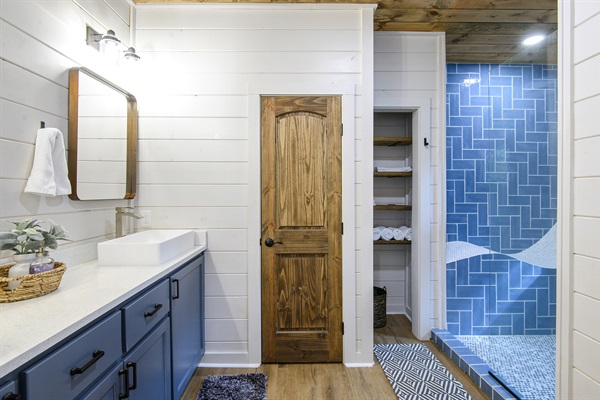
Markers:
86,292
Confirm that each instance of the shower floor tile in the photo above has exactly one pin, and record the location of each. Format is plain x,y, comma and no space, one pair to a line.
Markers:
525,362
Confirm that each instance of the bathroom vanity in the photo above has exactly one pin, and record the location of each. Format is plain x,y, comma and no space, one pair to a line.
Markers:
108,332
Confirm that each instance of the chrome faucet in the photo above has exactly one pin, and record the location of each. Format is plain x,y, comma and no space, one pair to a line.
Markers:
120,225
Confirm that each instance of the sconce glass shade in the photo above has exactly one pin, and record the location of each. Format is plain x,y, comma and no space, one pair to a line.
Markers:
130,55
109,38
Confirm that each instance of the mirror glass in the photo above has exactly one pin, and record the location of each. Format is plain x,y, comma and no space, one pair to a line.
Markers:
102,138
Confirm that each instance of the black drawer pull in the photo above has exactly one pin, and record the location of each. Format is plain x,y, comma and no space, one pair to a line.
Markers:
97,354
176,282
126,394
11,396
151,313
134,367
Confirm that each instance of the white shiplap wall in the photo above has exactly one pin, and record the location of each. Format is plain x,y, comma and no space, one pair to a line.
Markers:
578,346
40,41
410,74
202,71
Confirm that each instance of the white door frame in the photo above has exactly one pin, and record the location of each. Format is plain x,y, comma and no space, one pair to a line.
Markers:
349,283
421,247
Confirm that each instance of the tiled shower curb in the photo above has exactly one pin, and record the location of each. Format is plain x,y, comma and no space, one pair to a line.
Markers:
471,364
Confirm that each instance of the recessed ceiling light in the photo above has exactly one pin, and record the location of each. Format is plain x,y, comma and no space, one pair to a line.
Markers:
470,81
533,40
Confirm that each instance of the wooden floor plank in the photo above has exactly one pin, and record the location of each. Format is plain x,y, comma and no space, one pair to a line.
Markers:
336,381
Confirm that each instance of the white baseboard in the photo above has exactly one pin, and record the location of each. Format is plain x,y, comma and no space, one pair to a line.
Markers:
215,365
395,309
360,365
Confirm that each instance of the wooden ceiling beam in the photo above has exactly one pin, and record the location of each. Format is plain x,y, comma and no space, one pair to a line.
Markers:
494,29
415,4
499,16
505,4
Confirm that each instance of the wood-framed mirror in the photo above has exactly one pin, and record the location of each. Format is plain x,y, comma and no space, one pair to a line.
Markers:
102,140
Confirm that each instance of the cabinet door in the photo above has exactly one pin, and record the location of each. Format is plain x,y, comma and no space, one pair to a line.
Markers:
187,322
149,366
9,391
108,387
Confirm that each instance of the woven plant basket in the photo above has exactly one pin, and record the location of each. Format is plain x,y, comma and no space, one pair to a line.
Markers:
32,285
379,297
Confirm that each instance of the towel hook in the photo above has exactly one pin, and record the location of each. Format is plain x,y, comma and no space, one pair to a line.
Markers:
42,124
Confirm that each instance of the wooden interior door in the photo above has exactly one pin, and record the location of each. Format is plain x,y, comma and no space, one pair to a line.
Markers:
301,152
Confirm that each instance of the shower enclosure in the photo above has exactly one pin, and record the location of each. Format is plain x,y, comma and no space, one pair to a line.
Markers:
501,181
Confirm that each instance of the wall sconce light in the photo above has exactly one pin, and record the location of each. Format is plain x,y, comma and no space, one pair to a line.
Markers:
108,43
109,38
130,54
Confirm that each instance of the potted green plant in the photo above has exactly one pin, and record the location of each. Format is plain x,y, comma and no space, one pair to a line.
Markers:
26,238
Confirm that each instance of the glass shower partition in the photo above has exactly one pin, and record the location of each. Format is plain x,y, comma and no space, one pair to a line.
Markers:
501,220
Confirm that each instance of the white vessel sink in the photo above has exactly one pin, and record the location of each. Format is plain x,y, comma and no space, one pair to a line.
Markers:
152,247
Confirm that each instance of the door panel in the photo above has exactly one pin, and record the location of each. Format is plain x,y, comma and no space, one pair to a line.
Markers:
301,213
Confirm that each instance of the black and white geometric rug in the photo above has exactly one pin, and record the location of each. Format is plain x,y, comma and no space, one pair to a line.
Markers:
416,374
234,387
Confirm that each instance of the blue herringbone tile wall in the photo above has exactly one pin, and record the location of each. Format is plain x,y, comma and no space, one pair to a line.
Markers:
495,294
501,143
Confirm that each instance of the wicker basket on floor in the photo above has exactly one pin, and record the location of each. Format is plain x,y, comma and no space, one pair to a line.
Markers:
32,285
379,306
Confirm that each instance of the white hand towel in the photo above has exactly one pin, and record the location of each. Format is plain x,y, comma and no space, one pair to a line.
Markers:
398,235
49,176
407,232
386,234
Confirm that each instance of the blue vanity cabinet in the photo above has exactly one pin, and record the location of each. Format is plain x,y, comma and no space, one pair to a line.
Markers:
187,322
146,347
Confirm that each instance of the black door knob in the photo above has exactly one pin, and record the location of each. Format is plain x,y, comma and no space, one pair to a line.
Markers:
270,242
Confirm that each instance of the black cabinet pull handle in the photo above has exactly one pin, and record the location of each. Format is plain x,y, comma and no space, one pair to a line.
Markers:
134,367
11,396
176,282
151,313
126,373
96,355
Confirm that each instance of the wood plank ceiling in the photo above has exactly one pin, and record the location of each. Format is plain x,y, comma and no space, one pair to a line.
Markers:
482,31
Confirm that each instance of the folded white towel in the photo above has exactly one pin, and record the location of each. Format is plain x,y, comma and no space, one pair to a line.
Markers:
376,234
398,235
49,176
387,234
406,232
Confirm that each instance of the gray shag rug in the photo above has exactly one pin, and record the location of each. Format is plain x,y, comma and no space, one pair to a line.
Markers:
234,387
